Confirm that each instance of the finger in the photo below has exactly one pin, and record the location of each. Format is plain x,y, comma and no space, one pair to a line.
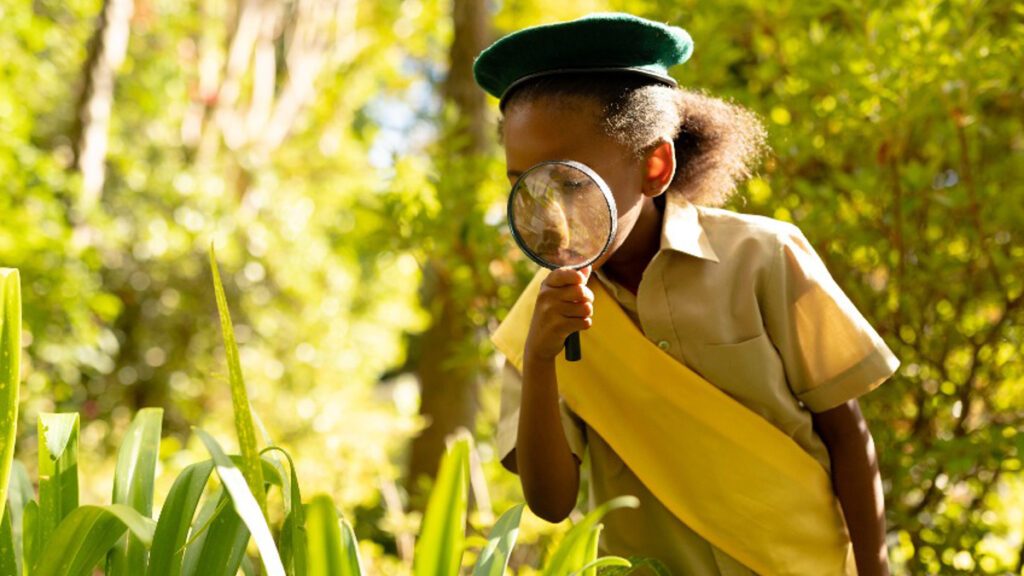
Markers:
576,309
564,277
573,293
578,324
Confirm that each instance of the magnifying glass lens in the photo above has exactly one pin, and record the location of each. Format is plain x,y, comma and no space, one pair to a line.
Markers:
561,215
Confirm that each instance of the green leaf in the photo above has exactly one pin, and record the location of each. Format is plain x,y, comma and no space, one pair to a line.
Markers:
133,486
87,534
20,493
592,566
494,556
244,427
441,542
571,551
639,566
30,536
293,533
332,547
167,554
58,471
10,371
351,544
245,504
590,554
8,565
219,547
272,476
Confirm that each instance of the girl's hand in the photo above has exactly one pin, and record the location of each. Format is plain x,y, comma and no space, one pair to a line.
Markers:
564,305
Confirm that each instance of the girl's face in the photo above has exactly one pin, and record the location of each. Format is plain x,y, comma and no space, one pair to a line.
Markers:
545,130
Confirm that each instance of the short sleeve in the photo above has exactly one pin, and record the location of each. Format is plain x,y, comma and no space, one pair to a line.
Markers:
508,421
830,352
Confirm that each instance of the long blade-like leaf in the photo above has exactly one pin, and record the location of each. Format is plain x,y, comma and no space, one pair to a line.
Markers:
87,534
244,427
494,557
30,536
10,370
587,568
293,533
638,566
58,471
219,547
591,567
8,566
332,547
570,554
245,504
439,548
167,554
354,566
133,486
19,494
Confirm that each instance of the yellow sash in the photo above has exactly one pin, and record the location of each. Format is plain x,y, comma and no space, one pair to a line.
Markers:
727,473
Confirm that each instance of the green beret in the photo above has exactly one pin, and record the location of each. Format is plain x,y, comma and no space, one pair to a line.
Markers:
607,41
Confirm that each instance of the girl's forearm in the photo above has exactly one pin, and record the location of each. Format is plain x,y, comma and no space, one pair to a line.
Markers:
547,468
857,484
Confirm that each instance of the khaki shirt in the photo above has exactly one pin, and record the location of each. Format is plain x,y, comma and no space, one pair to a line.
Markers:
727,295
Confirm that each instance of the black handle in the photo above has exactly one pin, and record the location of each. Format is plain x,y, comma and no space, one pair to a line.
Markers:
572,347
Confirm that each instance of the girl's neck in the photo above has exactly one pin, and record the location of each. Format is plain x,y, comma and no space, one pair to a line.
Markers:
626,267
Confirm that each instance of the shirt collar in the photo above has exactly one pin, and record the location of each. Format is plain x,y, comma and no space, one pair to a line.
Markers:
681,229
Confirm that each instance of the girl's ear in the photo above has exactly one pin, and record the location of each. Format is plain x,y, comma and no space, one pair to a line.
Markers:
659,168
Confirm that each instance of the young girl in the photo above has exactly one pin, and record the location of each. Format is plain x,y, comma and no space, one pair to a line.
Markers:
776,475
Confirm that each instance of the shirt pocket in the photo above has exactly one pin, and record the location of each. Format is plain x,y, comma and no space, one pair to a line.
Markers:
750,371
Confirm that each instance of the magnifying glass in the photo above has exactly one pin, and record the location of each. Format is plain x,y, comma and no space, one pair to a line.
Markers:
562,215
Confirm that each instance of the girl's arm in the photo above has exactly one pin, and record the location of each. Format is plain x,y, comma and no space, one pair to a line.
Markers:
857,483
547,468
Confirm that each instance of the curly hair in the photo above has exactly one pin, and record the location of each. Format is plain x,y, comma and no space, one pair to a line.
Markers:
718,144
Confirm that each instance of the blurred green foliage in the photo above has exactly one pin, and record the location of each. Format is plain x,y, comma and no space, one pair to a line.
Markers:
898,149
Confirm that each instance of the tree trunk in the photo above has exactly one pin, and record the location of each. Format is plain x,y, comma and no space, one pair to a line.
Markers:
448,388
92,123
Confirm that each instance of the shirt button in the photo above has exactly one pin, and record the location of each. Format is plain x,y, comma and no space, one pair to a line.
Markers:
663,344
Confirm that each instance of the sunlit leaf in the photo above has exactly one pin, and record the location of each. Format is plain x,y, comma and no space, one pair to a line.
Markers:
293,533
167,553
572,550
8,553
10,370
20,493
85,536
58,471
134,479
441,542
251,468
245,504
332,549
494,556
219,546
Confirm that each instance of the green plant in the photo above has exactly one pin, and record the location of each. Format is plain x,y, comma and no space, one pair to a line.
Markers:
204,528
10,356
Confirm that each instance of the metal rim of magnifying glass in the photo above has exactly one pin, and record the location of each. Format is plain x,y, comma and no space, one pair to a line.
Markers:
602,186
